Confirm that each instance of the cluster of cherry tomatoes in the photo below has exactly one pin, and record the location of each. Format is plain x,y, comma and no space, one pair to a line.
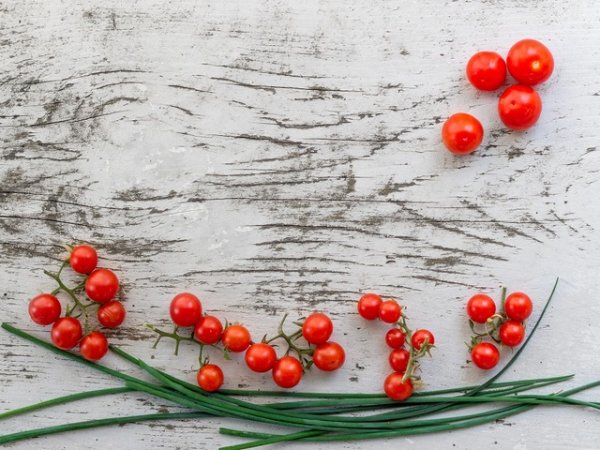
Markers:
506,328
519,106
101,287
287,371
399,384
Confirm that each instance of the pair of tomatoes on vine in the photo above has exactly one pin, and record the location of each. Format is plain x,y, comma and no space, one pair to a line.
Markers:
407,347
287,371
505,328
100,286
519,106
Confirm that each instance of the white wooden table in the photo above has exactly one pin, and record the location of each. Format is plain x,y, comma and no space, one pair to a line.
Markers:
283,157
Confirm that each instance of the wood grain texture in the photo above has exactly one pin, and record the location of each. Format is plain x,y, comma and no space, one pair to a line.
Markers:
274,156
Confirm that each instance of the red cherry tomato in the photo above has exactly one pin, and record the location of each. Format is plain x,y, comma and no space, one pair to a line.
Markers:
329,356
210,377
260,357
395,338
485,355
44,309
396,388
419,338
317,328
94,346
208,330
102,285
462,133
511,333
486,71
519,107
390,311
83,259
398,359
480,308
66,333
287,372
185,309
111,314
236,338
368,306
518,306
530,62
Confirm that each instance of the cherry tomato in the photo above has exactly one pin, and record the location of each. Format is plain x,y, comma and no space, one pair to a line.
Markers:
236,338
485,355
208,330
83,259
210,377
396,388
462,133
66,333
395,338
368,306
511,333
399,359
329,356
94,346
390,311
317,328
530,62
287,372
518,306
185,309
486,71
519,107
102,285
111,314
260,357
44,309
419,338
480,308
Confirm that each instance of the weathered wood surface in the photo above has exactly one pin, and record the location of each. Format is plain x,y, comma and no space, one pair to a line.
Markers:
279,157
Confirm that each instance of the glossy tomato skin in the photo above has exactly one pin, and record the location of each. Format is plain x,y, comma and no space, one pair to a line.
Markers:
102,285
390,311
287,372
419,337
210,377
260,357
317,328
485,355
236,338
395,338
486,71
480,308
368,306
329,356
208,330
44,309
397,389
511,333
66,333
398,359
185,309
519,107
94,346
111,314
530,62
462,133
518,306
83,259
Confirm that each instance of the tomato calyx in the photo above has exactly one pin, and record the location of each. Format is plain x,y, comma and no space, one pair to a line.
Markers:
304,354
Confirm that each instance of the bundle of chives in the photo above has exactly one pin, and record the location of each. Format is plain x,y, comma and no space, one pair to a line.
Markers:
316,417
